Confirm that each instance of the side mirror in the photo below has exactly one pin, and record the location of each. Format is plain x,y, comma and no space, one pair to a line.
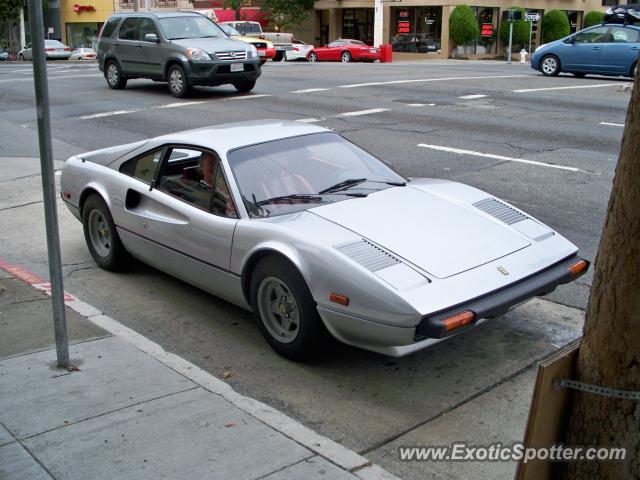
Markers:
151,37
570,41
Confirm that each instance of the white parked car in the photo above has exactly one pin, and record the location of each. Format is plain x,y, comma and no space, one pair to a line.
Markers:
83,53
53,49
300,51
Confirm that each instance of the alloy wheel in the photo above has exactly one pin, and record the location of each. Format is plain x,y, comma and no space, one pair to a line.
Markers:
278,310
549,65
99,233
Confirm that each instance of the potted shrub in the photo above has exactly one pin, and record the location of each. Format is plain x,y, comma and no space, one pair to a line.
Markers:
592,18
520,32
463,28
555,25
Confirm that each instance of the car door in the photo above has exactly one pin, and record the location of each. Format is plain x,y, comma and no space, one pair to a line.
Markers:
333,50
150,52
583,54
27,52
127,46
621,52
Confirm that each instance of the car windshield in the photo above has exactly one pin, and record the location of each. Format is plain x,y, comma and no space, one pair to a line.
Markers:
248,28
292,174
53,43
229,30
193,26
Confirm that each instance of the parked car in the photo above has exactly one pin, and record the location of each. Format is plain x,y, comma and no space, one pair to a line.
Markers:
314,234
418,43
265,48
300,51
53,50
608,49
4,55
283,42
345,50
182,48
83,53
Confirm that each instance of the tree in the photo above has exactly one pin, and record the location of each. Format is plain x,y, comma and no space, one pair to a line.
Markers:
555,25
520,31
10,13
284,14
236,6
610,351
592,18
463,26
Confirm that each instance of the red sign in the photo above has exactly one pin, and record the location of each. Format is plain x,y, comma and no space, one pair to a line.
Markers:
404,27
404,14
486,30
83,8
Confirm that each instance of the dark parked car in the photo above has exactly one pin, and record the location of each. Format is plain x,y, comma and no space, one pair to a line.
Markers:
410,42
182,48
4,55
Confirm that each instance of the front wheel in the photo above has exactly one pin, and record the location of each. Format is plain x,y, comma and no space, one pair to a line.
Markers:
550,65
101,235
113,73
345,57
313,57
178,84
245,86
21,57
286,311
634,70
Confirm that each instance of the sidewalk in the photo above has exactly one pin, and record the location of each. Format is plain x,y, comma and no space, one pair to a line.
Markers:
134,411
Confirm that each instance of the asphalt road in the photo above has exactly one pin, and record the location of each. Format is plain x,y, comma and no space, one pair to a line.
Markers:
547,145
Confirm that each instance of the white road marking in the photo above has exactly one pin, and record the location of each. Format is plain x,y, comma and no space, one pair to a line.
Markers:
496,157
471,97
309,120
247,97
29,78
309,90
418,80
107,114
363,112
181,104
612,124
599,85
416,104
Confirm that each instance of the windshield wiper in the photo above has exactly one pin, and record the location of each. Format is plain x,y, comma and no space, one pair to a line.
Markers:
351,182
296,196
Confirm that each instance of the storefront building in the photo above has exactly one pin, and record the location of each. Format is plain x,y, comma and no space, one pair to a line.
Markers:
421,27
81,21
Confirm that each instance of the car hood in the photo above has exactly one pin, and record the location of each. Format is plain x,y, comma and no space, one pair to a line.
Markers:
441,237
244,39
218,44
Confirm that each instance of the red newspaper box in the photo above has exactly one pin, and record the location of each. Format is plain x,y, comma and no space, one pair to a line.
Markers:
385,53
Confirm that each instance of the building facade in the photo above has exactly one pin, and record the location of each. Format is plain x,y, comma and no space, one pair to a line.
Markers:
421,27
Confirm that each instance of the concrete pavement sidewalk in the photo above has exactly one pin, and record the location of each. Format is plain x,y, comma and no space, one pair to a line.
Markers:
134,411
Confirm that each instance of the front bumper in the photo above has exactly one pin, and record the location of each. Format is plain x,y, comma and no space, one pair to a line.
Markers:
219,73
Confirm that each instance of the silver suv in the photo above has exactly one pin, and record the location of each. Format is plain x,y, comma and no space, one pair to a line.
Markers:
181,48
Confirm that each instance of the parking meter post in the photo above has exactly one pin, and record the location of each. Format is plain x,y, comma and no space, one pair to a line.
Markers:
378,23
36,27
510,41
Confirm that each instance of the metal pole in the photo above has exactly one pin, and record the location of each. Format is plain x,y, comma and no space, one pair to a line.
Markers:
23,40
510,41
378,23
530,30
48,180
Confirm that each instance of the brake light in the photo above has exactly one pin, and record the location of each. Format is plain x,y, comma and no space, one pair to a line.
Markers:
67,49
577,268
458,320
49,49
295,48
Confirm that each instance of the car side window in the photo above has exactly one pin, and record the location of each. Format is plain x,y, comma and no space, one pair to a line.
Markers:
144,167
595,35
147,26
110,26
624,35
196,177
129,29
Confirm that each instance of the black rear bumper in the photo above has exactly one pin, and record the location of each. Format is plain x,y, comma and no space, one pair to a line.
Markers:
500,301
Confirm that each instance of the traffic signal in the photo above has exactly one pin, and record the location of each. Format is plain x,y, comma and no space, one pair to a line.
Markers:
511,15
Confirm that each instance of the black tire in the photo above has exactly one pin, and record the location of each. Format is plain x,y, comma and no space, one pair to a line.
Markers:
345,57
634,70
278,56
113,75
245,86
310,335
579,74
550,65
263,61
312,57
105,246
178,84
21,57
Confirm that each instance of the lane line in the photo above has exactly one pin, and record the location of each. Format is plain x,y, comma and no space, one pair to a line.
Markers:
612,124
181,104
471,97
416,104
419,80
599,85
247,97
309,90
107,114
363,112
309,120
29,78
496,157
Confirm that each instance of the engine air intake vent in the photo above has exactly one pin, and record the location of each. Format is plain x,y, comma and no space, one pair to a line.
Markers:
501,211
370,256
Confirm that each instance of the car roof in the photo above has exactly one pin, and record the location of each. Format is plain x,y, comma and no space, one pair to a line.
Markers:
229,136
158,14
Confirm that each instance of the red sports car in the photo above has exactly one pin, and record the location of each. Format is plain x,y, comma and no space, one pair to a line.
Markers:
344,50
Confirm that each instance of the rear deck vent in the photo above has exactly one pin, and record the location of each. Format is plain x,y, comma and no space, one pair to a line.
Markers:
370,256
501,211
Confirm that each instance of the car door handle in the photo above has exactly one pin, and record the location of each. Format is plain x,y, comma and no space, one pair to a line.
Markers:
596,48
116,44
635,48
141,205
138,46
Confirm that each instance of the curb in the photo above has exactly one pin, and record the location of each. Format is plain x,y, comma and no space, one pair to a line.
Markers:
332,451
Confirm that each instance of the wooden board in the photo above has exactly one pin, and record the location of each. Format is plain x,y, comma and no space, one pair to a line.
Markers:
548,414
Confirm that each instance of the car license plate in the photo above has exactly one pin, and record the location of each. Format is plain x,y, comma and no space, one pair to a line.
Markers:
373,50
237,67
59,49
261,53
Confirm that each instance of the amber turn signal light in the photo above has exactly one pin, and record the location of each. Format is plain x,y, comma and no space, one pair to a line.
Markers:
341,299
458,320
577,268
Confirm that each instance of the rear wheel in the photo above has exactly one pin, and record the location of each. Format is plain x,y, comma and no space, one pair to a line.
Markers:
278,56
550,65
114,77
286,311
101,235
313,57
345,57
21,57
245,86
178,84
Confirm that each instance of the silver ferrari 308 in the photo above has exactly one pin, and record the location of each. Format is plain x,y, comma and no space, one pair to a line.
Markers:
314,235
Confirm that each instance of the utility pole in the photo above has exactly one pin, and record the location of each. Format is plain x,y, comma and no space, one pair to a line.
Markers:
23,40
510,41
36,26
378,23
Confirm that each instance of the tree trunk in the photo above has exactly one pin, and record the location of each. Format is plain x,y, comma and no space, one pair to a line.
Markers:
610,352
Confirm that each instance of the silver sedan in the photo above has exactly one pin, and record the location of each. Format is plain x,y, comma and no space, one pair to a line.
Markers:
313,234
53,49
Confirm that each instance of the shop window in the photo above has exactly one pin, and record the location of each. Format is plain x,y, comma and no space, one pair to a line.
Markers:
416,29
